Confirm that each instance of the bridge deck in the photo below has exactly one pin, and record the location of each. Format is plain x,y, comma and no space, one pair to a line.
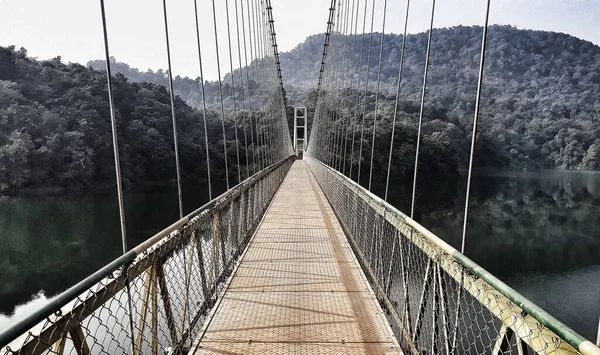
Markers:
299,288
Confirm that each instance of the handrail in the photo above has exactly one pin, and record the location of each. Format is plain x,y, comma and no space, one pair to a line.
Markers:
24,325
570,336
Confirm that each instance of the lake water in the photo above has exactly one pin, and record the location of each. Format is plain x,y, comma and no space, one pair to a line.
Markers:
539,232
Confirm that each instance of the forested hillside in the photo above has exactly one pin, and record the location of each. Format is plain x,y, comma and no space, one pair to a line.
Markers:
55,129
541,94
186,88
540,109
189,89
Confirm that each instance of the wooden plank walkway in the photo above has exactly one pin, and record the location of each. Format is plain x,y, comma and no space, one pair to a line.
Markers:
299,288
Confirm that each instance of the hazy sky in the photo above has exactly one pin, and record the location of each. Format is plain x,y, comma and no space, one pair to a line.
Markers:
72,28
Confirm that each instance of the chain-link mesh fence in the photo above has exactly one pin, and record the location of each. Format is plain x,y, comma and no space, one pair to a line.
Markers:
156,298
437,300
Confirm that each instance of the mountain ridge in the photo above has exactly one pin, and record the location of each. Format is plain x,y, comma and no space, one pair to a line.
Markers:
540,109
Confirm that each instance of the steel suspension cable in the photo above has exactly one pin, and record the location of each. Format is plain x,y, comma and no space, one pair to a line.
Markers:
252,31
220,94
471,155
206,145
350,86
271,82
266,71
115,139
330,85
475,120
352,116
269,73
115,142
259,57
377,92
260,79
362,44
327,38
316,129
268,113
334,85
405,311
349,78
343,79
172,96
261,75
279,80
400,70
248,80
237,149
328,89
260,63
241,72
364,110
414,189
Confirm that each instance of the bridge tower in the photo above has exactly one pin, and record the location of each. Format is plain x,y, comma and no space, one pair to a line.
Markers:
299,130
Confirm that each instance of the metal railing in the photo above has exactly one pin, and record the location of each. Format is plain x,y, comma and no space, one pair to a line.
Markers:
155,298
437,300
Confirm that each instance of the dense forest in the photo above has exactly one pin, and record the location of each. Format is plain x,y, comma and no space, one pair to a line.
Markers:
541,93
186,88
540,109
540,102
55,129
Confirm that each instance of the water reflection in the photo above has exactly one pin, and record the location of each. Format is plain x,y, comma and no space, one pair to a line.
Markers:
572,296
48,244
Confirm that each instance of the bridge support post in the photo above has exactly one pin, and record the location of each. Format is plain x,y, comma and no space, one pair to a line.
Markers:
299,130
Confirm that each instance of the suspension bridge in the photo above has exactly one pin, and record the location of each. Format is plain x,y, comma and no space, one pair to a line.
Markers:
298,255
